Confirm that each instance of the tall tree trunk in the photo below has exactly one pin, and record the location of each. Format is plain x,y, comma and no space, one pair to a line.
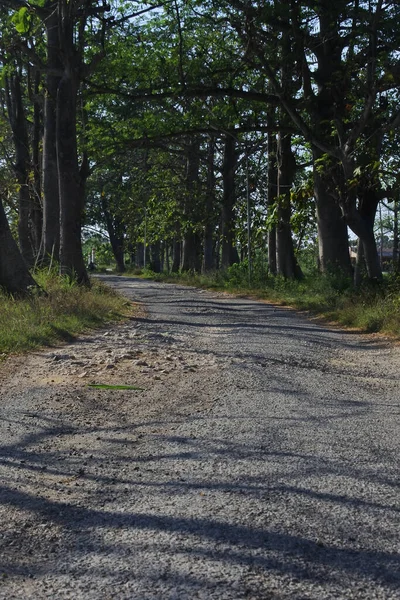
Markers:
272,192
209,228
166,265
286,262
287,265
361,219
333,244
191,247
368,204
139,262
328,104
14,274
22,165
155,257
37,211
396,265
176,256
360,263
51,200
115,231
71,185
229,254
163,247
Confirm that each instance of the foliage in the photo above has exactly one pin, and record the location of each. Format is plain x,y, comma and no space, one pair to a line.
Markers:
152,86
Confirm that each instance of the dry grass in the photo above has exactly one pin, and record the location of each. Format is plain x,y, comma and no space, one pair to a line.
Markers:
66,310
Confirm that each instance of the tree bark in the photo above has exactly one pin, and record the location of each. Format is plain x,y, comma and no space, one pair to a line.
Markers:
139,260
287,265
51,200
361,218
71,183
22,165
155,257
360,263
116,232
37,211
176,256
14,274
209,227
229,254
396,265
191,247
272,191
333,244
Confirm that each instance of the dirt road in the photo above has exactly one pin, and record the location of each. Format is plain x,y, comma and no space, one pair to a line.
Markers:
256,457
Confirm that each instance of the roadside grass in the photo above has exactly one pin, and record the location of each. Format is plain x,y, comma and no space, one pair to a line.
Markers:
373,308
66,310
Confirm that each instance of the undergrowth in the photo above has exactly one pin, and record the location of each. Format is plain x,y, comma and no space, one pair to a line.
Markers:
371,308
59,314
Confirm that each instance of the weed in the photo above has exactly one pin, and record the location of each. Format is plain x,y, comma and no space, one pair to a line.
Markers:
65,310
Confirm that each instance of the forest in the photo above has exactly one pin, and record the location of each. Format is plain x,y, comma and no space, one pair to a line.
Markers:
189,136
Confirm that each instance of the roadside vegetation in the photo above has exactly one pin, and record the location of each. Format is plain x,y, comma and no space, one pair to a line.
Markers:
372,308
57,312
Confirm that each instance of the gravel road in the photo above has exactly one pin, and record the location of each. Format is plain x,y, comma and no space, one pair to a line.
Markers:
256,458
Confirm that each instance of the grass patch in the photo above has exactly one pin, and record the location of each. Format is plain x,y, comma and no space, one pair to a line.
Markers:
67,310
104,386
372,308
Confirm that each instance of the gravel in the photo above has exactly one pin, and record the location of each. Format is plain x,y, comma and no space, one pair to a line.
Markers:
255,457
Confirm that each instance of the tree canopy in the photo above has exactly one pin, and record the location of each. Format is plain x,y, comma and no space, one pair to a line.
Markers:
199,134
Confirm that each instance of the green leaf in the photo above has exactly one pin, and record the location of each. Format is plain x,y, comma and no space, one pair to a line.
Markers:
22,20
101,386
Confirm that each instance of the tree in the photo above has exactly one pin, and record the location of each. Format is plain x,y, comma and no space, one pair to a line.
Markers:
14,274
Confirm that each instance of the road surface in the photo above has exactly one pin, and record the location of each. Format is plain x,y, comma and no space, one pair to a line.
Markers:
256,457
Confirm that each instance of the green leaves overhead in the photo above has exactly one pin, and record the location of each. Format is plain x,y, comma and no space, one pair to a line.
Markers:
22,20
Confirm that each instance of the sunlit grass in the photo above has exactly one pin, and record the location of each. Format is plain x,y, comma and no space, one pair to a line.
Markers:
105,386
66,310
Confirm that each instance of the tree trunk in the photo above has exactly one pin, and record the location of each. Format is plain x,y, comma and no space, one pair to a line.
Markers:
208,248
155,257
191,247
287,265
396,266
115,231
209,228
14,274
37,211
191,252
368,204
22,165
333,244
229,253
358,270
166,265
51,201
176,256
139,262
361,219
272,192
71,188
163,247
